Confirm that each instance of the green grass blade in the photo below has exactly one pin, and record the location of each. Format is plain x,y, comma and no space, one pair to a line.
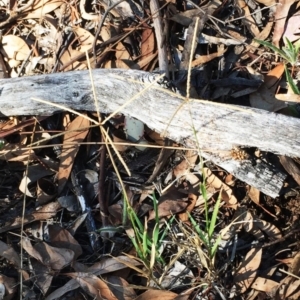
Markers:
290,56
289,45
155,206
204,195
152,257
155,234
165,231
125,212
272,47
297,46
137,248
293,50
198,230
291,82
2,143
214,217
215,246
145,239
138,230
137,220
110,229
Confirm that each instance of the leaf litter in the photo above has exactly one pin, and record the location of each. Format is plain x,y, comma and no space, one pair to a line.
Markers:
146,219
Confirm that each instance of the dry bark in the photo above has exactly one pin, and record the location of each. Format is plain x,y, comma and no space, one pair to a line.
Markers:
214,126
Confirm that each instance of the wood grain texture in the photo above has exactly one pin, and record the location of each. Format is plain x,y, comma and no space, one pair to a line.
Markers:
218,126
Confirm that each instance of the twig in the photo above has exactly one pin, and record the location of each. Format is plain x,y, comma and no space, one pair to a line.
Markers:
100,27
255,12
114,40
101,192
158,27
13,15
82,55
62,50
23,213
24,7
86,15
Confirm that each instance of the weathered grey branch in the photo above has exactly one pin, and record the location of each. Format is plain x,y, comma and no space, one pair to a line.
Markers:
217,126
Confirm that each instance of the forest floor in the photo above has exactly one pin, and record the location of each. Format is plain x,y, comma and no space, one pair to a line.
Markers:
117,211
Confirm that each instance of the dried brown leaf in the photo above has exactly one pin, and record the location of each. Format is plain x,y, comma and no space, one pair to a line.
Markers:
33,174
43,7
269,229
120,288
287,261
266,2
61,238
203,59
108,265
105,33
288,97
46,191
93,285
291,167
115,214
69,152
156,295
10,254
192,203
292,292
12,152
26,244
191,156
281,14
169,207
264,97
292,28
144,62
248,20
247,271
217,184
46,212
69,55
15,47
182,168
126,64
116,139
295,267
43,213
85,39
55,258
131,264
254,194
10,286
69,286
147,48
43,276
121,52
264,285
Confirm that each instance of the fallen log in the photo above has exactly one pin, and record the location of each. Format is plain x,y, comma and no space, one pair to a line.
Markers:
211,126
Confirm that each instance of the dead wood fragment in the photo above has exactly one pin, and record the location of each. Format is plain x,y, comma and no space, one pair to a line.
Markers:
291,167
217,126
159,35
